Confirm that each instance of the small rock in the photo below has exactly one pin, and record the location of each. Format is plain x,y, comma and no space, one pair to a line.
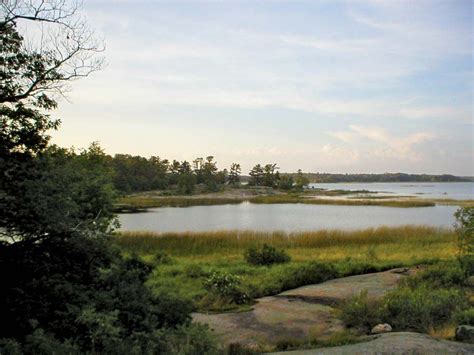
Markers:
465,333
381,328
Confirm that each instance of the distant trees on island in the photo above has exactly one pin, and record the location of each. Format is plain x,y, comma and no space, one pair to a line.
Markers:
386,177
136,173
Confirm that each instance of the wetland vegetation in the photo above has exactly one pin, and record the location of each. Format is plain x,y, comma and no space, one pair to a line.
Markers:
72,283
190,257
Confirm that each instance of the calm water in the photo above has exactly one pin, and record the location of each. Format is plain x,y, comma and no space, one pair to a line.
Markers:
454,190
284,217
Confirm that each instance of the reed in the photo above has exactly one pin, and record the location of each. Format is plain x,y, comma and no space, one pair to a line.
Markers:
192,256
149,202
139,202
340,242
343,202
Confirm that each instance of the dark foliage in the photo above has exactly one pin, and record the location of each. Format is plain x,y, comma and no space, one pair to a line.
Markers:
266,255
65,288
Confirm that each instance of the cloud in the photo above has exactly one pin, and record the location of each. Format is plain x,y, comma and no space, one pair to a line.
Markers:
330,44
384,144
344,136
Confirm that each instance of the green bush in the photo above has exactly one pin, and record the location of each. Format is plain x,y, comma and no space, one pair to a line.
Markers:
172,311
361,312
465,317
282,278
465,231
467,264
306,274
187,340
438,276
408,307
226,286
194,271
421,308
266,255
161,258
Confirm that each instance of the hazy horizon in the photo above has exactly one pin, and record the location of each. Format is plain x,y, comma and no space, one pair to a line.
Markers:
328,86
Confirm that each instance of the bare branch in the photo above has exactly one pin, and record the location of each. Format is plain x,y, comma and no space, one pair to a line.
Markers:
65,45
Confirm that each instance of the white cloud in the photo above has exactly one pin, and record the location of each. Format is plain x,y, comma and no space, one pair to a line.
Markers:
384,144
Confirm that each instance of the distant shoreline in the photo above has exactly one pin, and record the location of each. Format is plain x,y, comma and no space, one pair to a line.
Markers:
385,178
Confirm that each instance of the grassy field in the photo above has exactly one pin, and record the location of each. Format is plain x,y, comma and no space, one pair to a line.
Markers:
186,260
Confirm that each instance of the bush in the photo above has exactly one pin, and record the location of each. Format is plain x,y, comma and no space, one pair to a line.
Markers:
306,274
438,276
267,255
172,311
361,312
465,229
194,271
226,286
465,317
414,305
162,258
190,339
467,264
421,308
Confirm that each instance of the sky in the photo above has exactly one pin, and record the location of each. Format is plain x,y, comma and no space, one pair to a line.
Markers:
322,86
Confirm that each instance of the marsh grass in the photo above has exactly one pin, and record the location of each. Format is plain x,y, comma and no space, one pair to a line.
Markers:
383,241
195,255
342,202
141,202
175,201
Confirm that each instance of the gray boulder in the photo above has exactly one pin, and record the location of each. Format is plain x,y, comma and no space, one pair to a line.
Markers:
465,333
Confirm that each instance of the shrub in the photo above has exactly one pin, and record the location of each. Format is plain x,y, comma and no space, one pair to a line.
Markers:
406,308
162,258
266,255
172,311
467,264
465,230
438,276
190,339
361,312
194,271
306,274
226,286
465,316
421,308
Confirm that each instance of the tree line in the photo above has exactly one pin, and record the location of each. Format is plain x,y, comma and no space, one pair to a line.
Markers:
136,174
386,177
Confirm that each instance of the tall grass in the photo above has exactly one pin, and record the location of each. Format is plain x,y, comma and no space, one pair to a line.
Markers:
193,256
137,202
415,238
344,202
149,202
